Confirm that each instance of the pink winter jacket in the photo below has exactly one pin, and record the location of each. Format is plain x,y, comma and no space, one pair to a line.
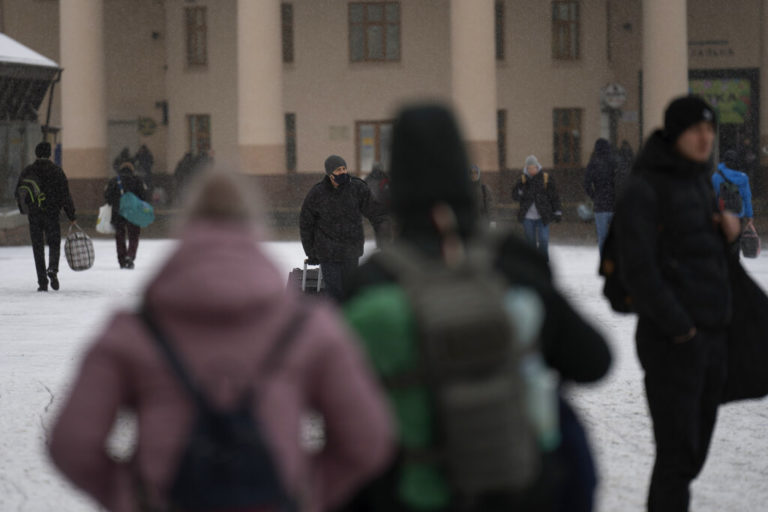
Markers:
223,303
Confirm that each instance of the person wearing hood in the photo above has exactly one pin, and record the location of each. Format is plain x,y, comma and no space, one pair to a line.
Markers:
125,181
673,247
599,184
224,306
428,170
728,170
331,223
53,196
536,192
483,197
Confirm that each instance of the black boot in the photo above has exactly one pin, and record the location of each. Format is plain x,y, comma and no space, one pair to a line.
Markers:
54,279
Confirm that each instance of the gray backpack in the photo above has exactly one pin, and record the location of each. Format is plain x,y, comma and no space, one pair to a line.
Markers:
470,361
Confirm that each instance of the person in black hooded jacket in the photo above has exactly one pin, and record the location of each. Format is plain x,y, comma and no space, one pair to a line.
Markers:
600,186
125,181
429,167
44,219
331,223
673,248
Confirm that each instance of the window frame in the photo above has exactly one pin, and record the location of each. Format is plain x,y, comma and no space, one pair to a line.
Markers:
366,24
196,36
499,24
564,134
286,22
501,137
193,133
562,47
291,145
378,150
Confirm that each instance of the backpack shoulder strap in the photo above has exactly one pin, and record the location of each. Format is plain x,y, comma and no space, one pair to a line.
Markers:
267,366
120,185
546,179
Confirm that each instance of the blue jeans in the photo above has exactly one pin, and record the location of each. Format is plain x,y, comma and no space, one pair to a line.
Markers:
537,233
602,223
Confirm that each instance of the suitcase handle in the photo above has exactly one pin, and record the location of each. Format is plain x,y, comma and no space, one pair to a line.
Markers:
304,277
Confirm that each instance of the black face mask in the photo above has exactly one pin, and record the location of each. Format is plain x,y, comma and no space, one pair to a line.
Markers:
341,179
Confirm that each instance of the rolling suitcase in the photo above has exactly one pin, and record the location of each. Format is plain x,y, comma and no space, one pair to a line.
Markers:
306,280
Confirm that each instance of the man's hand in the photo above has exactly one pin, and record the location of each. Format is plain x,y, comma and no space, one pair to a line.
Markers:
729,225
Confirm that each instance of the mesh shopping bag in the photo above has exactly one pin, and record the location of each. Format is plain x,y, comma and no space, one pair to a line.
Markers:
78,249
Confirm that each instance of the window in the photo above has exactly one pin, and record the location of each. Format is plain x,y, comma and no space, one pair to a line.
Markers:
197,44
373,140
565,29
286,16
199,133
290,141
499,29
567,137
374,31
501,137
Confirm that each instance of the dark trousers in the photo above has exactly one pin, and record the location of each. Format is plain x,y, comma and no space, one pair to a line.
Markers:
684,384
123,228
336,275
45,229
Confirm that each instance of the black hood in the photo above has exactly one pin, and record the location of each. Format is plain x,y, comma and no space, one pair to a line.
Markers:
429,166
660,155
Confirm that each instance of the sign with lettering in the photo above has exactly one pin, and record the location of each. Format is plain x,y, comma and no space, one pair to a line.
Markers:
730,97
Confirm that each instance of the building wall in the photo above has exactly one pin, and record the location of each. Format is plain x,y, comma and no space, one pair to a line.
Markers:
210,90
329,93
531,83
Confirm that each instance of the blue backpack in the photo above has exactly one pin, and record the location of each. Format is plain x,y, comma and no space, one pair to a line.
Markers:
133,209
226,463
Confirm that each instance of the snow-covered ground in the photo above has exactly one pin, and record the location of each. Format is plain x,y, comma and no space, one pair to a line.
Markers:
43,334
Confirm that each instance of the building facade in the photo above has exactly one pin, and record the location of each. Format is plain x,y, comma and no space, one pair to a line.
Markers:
274,87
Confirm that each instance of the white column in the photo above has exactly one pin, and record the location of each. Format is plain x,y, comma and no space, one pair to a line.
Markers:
665,58
83,93
261,119
473,77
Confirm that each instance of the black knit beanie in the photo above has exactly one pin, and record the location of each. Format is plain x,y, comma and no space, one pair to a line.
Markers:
685,112
429,165
43,150
333,162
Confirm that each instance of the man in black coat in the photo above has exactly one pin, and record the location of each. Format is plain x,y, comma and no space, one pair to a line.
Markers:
331,223
429,168
600,186
125,181
536,192
43,209
673,246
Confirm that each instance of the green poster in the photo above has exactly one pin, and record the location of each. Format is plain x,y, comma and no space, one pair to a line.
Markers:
731,97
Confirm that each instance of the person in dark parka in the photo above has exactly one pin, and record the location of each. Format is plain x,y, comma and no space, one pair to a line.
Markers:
483,196
536,192
125,181
599,184
331,223
672,247
44,220
429,167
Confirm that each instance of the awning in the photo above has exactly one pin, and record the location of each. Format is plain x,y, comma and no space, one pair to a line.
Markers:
25,76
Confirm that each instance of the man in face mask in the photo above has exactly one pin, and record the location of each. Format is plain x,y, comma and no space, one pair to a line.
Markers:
331,223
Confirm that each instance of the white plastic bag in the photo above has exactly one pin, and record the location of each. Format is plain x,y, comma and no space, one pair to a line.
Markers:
104,221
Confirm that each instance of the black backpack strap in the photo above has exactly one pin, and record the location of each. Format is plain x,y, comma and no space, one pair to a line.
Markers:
268,365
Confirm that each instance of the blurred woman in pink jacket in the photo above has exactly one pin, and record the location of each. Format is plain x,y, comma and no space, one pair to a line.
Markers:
223,303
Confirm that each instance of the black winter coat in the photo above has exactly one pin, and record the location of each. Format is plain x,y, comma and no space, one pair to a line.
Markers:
331,220
53,183
112,193
672,258
599,182
529,190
